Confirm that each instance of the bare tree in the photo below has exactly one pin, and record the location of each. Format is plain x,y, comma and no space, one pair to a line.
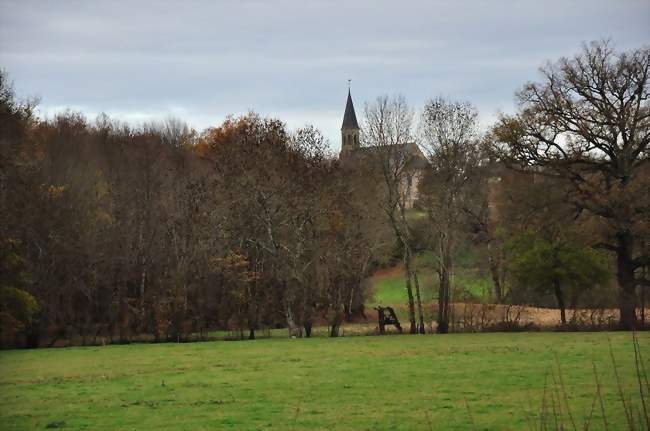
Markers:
449,132
172,131
388,129
588,121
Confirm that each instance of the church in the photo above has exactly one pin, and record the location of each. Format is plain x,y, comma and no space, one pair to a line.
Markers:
353,154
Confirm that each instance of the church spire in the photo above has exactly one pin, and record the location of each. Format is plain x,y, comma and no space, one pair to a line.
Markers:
350,128
349,118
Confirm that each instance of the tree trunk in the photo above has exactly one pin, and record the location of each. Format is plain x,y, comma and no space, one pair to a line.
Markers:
643,286
337,305
417,294
336,324
411,274
444,288
494,271
253,318
291,324
642,325
348,307
409,290
443,306
626,282
443,295
307,311
560,300
308,326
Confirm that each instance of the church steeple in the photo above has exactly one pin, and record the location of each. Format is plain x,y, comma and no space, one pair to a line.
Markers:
349,129
349,118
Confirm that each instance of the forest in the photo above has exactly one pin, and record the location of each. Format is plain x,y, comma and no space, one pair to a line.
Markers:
111,231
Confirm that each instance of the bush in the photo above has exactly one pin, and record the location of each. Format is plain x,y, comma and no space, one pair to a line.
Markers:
17,310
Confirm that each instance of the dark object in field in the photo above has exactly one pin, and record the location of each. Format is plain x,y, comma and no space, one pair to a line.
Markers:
55,424
387,317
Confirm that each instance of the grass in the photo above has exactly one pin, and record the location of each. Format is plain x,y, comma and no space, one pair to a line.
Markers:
388,383
389,285
389,289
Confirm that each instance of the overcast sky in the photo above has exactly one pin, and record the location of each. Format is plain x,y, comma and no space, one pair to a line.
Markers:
199,61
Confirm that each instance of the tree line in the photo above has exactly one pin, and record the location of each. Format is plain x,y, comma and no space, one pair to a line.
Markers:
112,230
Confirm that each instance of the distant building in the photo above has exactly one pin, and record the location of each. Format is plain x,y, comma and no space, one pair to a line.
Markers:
353,154
350,131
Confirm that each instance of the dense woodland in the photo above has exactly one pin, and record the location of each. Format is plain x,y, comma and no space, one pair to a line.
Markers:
113,231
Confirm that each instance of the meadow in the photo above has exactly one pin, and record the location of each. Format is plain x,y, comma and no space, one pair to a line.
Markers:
470,284
491,381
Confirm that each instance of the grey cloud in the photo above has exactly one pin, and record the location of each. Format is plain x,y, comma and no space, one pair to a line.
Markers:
206,59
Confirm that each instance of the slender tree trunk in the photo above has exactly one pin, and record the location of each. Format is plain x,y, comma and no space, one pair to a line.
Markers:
291,324
409,289
626,281
642,323
494,271
307,318
336,323
252,309
308,327
444,289
409,266
348,306
406,258
288,313
560,300
443,303
419,300
307,310
642,299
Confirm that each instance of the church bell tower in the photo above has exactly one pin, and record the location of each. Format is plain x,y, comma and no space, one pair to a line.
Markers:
350,131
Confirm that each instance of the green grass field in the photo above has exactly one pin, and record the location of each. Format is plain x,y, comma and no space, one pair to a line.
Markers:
372,383
388,286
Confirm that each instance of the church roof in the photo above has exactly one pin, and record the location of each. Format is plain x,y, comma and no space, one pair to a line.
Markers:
414,157
349,118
